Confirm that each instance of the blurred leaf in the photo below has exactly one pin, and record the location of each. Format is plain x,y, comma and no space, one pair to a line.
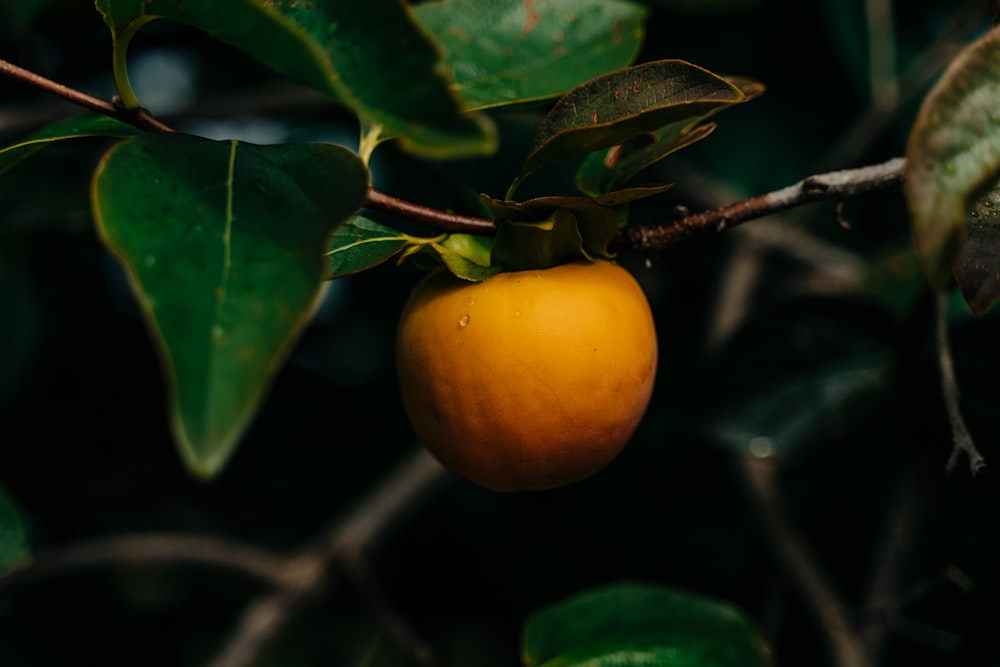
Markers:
20,317
798,410
795,372
13,533
371,56
978,266
223,242
71,128
508,51
612,109
953,155
361,243
638,625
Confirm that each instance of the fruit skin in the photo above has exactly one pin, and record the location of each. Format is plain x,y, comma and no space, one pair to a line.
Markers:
529,380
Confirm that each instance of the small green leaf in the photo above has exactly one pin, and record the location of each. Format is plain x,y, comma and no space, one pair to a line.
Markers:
545,231
977,270
953,155
503,52
360,244
371,56
223,242
14,548
640,625
612,109
71,128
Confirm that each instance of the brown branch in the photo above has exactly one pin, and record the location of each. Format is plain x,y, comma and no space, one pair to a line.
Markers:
442,220
309,570
832,185
961,438
154,548
138,117
295,579
845,641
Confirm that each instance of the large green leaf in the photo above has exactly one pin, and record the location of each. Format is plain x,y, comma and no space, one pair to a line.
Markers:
224,244
14,548
509,51
638,625
371,56
953,155
612,109
71,128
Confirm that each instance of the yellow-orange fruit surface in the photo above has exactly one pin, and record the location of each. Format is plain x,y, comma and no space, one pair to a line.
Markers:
529,380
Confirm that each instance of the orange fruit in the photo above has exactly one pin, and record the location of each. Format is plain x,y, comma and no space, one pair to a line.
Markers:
529,380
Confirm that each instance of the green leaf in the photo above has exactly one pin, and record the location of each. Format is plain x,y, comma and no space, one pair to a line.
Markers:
546,231
977,270
223,242
953,155
501,52
612,109
361,243
71,128
371,56
14,548
639,625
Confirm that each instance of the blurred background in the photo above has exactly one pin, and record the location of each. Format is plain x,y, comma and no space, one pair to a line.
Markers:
804,337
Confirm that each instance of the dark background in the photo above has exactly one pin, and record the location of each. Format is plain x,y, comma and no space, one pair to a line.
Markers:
85,450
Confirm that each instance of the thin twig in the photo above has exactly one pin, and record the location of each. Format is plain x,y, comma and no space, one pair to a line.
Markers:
949,388
845,642
841,184
264,618
449,222
138,117
153,548
883,603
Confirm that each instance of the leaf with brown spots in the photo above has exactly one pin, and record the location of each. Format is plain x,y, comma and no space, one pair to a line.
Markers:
614,108
952,159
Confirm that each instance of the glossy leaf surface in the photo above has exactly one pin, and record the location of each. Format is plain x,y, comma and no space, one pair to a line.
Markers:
72,128
612,109
223,242
361,243
953,156
371,56
633,625
508,51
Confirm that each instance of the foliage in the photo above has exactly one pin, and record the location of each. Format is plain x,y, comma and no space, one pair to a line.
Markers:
204,290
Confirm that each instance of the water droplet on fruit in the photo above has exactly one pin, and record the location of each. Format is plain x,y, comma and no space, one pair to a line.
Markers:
464,321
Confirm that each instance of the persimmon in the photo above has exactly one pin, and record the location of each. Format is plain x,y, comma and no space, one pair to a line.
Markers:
528,380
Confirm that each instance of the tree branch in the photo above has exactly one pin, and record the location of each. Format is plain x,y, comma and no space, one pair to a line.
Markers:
845,642
137,117
949,388
832,185
345,540
295,579
154,548
838,184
